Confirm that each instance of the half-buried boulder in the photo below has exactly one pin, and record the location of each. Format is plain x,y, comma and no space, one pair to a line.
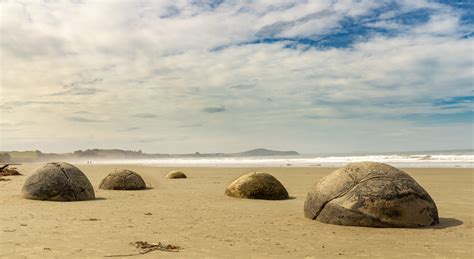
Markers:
371,195
58,182
175,175
123,179
257,185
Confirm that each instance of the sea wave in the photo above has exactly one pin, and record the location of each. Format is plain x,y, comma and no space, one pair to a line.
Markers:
418,160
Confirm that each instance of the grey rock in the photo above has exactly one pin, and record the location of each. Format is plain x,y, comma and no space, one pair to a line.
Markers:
58,182
257,185
175,175
123,179
372,195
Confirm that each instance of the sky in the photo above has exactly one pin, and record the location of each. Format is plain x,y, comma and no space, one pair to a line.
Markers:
227,76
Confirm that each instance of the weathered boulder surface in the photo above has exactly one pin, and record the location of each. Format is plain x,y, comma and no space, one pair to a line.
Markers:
123,179
372,195
58,182
257,185
175,175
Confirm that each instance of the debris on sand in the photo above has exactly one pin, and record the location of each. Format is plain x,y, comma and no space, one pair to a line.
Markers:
91,219
5,171
4,179
146,247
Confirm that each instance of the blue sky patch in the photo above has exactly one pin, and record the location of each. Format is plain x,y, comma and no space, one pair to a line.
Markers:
212,4
456,100
171,11
465,7
441,118
350,30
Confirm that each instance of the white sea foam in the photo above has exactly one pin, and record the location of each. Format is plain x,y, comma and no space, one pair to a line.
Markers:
413,160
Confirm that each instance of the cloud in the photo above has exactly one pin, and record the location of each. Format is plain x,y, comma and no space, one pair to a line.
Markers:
130,129
151,140
243,86
191,125
15,126
18,104
80,87
214,109
82,119
145,115
441,118
78,91
16,123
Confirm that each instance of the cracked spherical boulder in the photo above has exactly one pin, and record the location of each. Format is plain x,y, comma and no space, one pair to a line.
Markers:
58,182
257,185
175,175
371,195
123,179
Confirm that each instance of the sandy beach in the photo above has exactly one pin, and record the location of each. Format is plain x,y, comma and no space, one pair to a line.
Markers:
195,214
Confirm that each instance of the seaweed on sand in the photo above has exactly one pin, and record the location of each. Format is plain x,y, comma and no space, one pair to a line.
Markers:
146,247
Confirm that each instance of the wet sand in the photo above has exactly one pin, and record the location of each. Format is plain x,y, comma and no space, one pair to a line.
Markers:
195,214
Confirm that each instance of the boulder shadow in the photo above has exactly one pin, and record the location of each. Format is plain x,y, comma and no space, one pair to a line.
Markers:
73,201
447,223
137,190
289,198
98,199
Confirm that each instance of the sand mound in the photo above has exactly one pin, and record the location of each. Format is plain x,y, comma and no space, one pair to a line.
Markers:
58,182
257,185
123,179
175,175
372,195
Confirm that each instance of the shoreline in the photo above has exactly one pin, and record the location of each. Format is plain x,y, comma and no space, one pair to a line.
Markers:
236,166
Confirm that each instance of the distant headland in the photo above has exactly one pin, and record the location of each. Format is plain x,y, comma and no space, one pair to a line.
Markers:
90,154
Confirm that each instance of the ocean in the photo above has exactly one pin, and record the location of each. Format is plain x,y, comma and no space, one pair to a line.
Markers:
431,159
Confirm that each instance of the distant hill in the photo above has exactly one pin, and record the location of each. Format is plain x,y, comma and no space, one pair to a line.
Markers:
36,156
265,152
110,153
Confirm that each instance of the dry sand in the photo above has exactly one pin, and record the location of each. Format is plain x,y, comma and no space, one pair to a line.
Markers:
195,214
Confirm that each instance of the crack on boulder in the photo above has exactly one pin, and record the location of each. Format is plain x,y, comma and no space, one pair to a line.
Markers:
60,190
356,183
68,182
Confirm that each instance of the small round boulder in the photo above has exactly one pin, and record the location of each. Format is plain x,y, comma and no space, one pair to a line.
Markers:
175,175
123,179
257,185
371,195
58,182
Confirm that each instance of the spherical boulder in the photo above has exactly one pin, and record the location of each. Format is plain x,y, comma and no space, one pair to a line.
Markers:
123,179
175,175
372,195
257,185
58,182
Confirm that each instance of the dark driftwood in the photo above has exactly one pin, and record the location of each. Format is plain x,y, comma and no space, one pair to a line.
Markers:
149,247
3,167
5,171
